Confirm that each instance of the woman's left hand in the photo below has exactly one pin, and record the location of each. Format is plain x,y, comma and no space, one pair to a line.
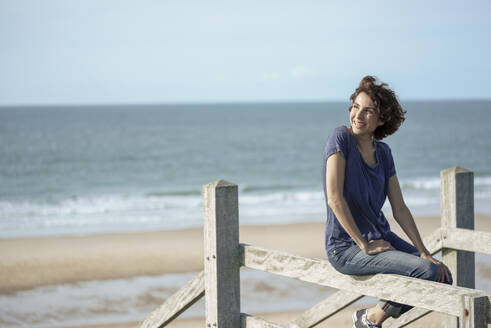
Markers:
444,275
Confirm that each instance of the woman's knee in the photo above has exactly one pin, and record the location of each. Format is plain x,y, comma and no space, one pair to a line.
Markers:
429,271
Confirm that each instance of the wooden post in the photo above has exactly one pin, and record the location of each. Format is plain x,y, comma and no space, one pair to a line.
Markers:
221,257
474,314
457,206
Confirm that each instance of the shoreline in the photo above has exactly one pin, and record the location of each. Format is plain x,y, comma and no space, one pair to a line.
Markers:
27,263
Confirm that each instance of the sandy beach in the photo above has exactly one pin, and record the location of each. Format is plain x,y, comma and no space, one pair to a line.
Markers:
26,263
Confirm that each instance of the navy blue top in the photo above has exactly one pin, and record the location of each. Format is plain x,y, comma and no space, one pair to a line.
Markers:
365,188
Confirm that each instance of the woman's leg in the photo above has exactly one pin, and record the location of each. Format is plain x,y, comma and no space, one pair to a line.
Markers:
404,260
401,245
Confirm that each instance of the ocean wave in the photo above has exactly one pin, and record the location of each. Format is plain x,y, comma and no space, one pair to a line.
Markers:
242,189
112,205
78,206
424,183
253,188
155,210
281,196
190,192
97,214
421,183
482,181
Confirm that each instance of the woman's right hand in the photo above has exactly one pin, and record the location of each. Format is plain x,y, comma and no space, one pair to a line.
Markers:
377,246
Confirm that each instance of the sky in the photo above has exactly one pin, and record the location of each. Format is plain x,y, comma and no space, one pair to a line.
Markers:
159,51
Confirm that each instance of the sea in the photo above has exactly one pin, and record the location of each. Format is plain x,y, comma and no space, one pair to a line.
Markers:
75,170
99,169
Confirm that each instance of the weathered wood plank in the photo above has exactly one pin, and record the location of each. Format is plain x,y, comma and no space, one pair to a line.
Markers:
474,314
467,240
416,292
457,198
221,247
407,318
247,321
326,308
457,206
177,303
433,242
489,309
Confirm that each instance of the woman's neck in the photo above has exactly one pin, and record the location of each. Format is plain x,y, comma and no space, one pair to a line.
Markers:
364,142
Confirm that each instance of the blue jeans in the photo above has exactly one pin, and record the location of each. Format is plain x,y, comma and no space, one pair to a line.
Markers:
404,260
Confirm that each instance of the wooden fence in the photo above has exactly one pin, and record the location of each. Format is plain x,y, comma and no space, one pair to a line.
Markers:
463,305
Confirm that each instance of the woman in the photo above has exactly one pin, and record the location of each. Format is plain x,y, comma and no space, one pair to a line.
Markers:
358,174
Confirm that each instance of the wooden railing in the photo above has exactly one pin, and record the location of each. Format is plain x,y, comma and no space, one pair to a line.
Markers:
224,256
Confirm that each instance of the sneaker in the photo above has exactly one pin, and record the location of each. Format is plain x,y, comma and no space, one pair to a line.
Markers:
356,316
360,320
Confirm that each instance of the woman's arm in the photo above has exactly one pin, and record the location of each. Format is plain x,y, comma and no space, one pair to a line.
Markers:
405,219
335,170
403,216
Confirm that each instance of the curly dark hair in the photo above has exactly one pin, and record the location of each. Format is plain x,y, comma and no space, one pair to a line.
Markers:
391,112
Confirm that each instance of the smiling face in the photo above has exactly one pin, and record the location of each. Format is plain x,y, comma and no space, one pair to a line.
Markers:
364,116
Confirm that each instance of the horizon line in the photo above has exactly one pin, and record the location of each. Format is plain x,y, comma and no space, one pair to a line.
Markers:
222,102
